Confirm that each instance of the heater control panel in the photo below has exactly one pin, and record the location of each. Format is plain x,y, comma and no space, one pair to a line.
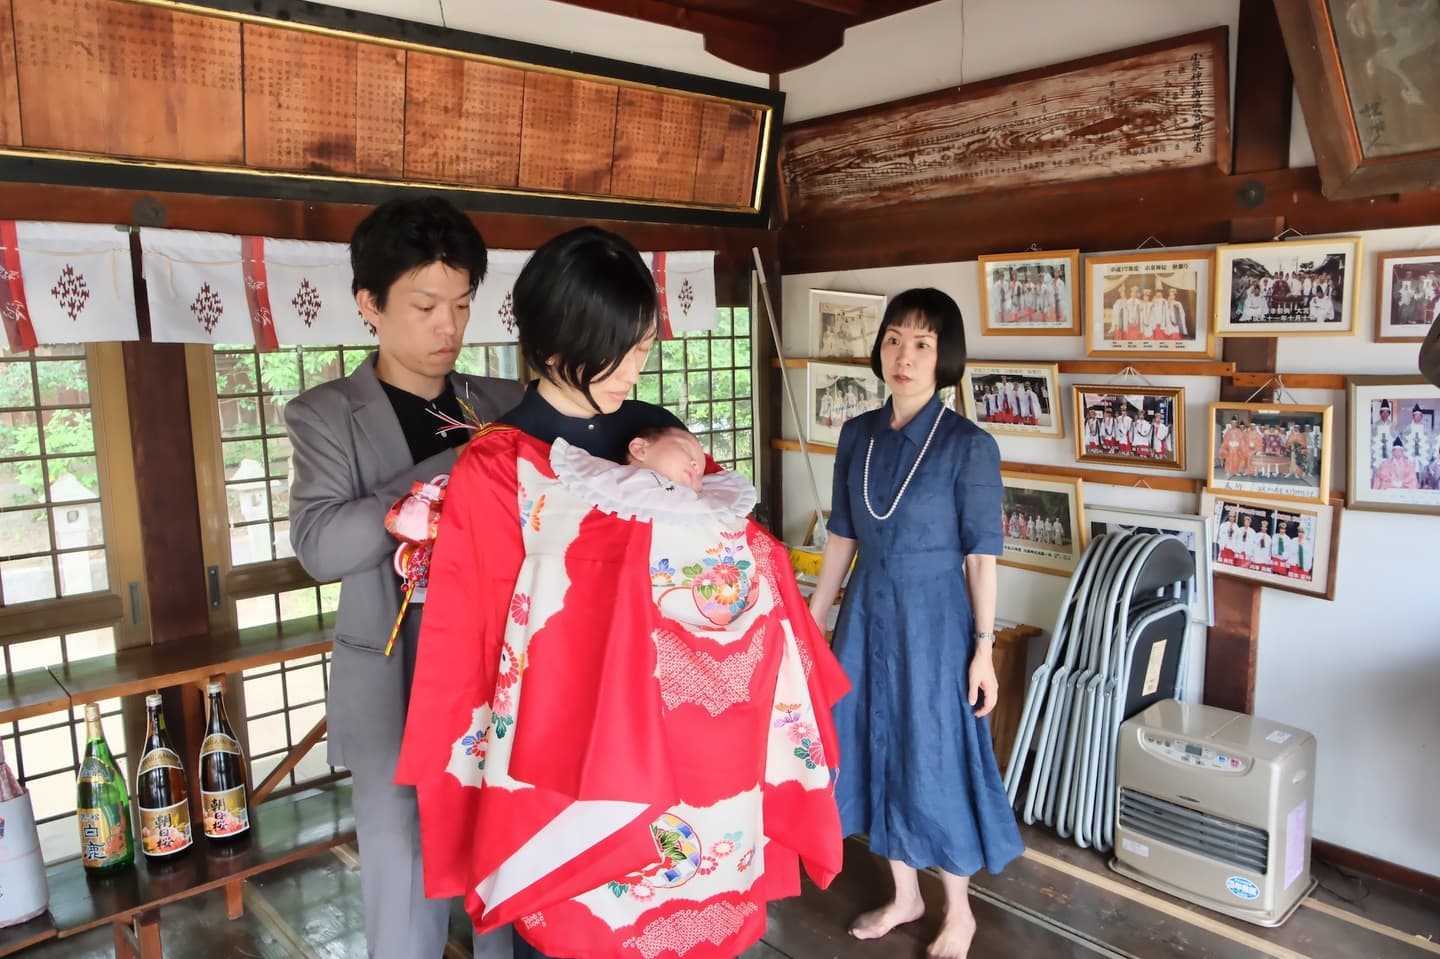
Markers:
1195,754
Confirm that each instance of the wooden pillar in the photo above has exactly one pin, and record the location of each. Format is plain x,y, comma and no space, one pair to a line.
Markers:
157,389
1262,142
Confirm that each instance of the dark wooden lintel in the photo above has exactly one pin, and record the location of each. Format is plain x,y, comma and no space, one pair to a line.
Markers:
1187,207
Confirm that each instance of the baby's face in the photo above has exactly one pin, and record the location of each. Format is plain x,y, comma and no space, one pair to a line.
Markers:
676,455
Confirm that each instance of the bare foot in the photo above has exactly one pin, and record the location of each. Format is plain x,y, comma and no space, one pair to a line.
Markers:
879,922
954,939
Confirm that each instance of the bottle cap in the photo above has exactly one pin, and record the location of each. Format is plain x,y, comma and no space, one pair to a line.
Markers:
92,711
214,686
153,699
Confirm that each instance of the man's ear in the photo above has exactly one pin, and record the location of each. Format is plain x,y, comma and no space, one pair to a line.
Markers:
369,308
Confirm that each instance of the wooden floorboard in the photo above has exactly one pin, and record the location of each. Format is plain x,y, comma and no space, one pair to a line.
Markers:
1058,902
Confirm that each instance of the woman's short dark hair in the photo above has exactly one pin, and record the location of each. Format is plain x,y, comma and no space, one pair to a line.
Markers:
409,233
934,311
585,298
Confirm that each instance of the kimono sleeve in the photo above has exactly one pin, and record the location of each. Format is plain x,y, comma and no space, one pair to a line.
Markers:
979,493
477,557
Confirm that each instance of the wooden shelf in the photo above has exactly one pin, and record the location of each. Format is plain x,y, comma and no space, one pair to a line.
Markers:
1143,367
194,660
31,692
1291,381
800,362
1176,484
282,831
797,446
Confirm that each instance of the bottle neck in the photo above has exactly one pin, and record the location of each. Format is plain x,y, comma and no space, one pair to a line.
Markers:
219,722
155,734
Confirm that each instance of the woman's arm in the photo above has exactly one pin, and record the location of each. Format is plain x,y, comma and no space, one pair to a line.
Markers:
980,577
839,551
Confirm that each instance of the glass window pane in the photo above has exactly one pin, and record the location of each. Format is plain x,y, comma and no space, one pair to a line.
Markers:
19,435
63,383
17,384
94,642
235,373
26,580
299,604
83,572
35,653
250,544
78,525
24,531
239,417
256,611
73,478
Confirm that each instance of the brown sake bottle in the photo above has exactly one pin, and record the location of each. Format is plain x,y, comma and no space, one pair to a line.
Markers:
160,789
222,774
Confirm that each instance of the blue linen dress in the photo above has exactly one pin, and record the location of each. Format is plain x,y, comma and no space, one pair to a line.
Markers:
917,769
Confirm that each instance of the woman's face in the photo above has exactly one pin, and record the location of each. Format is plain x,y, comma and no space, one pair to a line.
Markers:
908,354
609,391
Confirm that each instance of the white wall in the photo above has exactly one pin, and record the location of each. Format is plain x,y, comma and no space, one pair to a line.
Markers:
1359,672
566,27
953,41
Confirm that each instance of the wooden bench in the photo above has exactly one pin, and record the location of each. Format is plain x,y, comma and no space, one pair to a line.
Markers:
284,829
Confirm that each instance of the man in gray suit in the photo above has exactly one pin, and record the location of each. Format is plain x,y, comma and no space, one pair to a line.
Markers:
359,443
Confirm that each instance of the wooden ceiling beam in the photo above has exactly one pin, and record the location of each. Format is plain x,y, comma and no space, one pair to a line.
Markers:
744,43
850,8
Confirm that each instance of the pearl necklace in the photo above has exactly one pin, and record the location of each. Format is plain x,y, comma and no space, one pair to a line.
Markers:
908,477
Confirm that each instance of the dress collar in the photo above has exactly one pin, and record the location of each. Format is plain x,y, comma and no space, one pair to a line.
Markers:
919,426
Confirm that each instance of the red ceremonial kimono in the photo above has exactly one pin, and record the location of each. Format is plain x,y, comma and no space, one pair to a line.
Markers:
619,727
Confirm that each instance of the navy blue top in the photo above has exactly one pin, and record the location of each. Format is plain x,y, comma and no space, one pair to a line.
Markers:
604,434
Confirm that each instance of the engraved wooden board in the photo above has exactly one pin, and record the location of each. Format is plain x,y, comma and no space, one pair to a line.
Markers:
568,137
300,100
128,80
9,88
462,120
729,154
1157,107
379,111
657,143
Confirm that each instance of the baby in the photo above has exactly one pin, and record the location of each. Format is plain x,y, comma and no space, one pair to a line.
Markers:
672,455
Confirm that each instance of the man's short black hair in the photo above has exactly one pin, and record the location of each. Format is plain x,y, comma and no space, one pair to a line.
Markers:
585,298
409,233
933,311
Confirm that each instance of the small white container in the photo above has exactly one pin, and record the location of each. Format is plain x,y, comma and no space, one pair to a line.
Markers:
24,891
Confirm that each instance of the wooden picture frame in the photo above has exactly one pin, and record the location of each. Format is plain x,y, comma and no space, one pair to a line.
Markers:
1193,531
1373,130
1265,289
856,388
1030,294
1001,398
1119,291
1146,425
1043,518
1407,295
1370,482
844,325
1278,450
1243,546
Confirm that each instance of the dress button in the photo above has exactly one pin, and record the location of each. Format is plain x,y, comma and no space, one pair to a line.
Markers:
589,426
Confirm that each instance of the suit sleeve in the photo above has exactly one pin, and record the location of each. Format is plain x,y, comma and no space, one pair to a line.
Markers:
335,532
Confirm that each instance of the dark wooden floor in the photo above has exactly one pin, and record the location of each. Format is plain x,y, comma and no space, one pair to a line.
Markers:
1054,903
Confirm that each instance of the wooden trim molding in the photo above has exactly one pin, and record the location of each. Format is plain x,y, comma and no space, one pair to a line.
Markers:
1379,868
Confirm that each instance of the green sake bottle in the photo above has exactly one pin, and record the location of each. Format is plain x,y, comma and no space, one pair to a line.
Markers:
107,840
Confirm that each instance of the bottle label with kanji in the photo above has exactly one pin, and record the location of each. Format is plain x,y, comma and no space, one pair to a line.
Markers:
165,831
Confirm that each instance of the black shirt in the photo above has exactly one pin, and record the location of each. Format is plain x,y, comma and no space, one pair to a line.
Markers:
604,434
420,423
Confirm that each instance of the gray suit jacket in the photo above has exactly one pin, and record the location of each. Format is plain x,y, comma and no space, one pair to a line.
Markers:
350,463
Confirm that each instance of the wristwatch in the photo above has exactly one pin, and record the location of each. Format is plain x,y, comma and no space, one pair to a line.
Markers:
989,636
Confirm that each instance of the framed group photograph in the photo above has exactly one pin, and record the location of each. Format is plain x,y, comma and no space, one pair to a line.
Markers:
1288,287
1133,425
1193,531
1021,399
1407,295
1043,522
836,393
843,325
1149,303
1394,444
1275,542
1030,293
1272,449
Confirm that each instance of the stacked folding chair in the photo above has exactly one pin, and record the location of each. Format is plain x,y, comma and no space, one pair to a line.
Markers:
1118,646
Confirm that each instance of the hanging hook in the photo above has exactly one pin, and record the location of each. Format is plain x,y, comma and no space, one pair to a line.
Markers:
1288,231
1033,248
1148,239
1262,388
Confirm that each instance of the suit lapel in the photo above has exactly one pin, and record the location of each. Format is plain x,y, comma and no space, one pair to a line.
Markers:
377,422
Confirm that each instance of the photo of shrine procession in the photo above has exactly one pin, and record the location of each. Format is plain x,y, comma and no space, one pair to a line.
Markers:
1036,521
1271,451
1287,289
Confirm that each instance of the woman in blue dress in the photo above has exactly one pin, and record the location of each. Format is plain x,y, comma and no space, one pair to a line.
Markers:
917,490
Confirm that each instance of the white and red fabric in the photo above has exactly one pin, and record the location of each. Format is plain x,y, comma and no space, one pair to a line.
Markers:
619,729
65,283
686,282
309,295
206,288
492,312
